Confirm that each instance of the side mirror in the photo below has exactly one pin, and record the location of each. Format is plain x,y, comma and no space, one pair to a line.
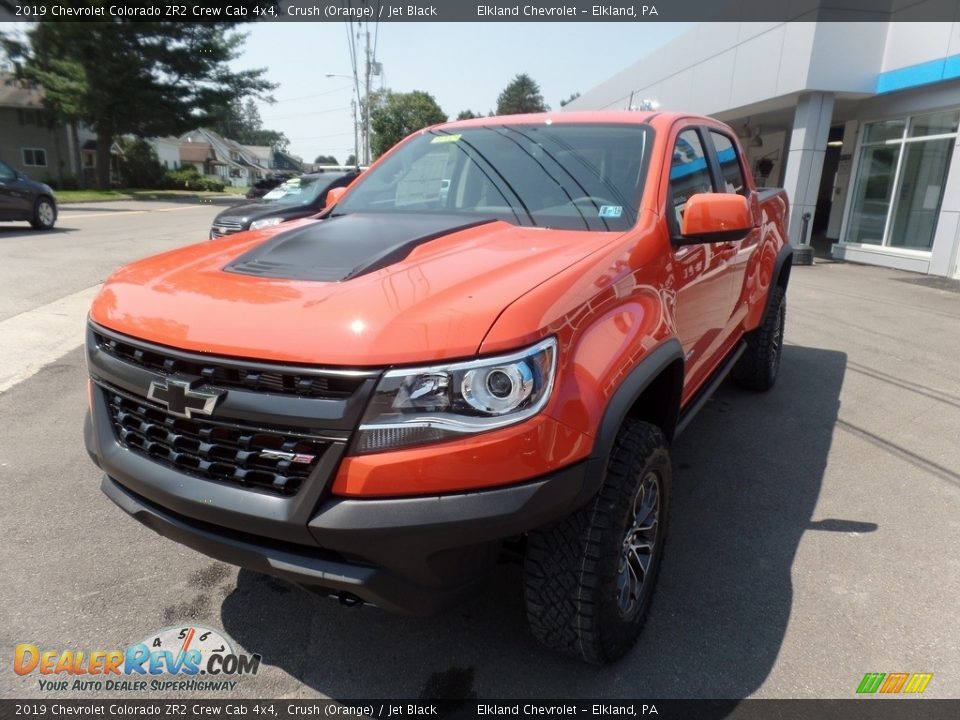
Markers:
333,196
715,217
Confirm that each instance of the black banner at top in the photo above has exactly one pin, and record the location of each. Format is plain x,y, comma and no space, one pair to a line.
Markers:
483,10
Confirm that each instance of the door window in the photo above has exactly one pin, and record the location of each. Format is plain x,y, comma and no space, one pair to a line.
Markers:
689,172
729,164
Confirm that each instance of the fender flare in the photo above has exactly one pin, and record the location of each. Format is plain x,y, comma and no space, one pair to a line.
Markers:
653,364
785,255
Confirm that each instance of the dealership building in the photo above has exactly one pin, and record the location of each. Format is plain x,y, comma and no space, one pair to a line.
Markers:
858,121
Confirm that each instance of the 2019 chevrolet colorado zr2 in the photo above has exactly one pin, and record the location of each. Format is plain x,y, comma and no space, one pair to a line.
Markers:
494,334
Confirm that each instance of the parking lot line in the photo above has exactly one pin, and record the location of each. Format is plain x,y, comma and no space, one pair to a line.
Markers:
40,336
126,213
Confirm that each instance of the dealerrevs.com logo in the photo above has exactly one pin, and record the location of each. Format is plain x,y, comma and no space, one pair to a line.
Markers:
180,658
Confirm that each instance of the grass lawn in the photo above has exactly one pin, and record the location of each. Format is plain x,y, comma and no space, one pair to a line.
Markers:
73,196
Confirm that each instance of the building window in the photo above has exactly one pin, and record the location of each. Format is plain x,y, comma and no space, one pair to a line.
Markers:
901,174
31,117
34,157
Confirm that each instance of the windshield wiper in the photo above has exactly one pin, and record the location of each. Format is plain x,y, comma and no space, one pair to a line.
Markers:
480,156
546,172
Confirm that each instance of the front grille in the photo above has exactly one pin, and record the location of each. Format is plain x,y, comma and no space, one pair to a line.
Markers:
224,373
230,453
225,227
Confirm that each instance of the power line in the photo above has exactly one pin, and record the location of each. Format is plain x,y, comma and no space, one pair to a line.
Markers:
307,97
320,137
317,112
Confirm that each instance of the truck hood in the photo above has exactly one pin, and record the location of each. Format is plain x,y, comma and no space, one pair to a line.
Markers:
357,290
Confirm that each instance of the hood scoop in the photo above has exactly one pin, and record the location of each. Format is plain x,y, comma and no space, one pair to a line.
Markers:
345,247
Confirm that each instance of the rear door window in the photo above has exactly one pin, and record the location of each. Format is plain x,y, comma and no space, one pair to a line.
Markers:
730,170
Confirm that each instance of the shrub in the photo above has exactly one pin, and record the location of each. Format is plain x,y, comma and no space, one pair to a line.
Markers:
140,167
69,182
189,178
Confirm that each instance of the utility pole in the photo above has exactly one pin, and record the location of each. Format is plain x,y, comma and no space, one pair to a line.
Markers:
356,142
366,114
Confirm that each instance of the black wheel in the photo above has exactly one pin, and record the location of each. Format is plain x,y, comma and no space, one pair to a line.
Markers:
758,366
44,214
589,578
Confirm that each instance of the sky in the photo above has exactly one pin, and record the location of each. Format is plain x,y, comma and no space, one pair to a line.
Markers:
463,65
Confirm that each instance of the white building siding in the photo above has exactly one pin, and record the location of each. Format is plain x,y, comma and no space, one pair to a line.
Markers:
759,77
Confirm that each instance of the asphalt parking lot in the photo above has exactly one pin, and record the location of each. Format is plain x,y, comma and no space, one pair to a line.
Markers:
814,533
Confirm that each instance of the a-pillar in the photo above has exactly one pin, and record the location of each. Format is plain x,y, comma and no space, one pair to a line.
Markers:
808,143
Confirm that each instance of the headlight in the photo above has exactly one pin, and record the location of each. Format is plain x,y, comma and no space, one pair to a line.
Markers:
412,406
268,222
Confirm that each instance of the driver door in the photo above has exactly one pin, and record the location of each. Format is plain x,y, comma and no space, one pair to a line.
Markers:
700,270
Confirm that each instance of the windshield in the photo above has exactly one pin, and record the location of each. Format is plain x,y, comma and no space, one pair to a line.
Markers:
301,190
570,176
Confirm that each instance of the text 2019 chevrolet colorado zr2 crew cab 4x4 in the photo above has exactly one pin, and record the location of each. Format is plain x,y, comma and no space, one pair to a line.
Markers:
494,334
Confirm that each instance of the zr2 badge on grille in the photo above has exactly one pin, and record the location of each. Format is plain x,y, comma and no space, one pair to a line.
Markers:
301,458
181,399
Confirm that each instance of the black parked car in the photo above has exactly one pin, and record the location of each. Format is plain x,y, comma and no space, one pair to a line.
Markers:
24,199
262,187
296,198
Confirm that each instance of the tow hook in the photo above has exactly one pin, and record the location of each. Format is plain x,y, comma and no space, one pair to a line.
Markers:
349,599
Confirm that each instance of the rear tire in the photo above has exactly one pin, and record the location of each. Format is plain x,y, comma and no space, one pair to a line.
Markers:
589,578
757,368
44,214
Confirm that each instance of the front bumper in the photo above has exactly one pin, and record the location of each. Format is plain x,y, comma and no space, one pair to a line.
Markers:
412,556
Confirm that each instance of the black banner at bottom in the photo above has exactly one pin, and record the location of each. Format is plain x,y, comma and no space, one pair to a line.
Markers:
866,708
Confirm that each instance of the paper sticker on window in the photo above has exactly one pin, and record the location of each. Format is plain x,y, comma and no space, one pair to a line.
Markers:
611,211
445,138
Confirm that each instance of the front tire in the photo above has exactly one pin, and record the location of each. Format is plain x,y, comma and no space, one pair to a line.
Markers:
44,214
589,578
757,368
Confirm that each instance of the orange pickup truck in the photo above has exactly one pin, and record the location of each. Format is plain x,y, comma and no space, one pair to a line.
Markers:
488,341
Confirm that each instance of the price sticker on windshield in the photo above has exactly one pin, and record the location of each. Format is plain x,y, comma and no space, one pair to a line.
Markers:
445,138
611,211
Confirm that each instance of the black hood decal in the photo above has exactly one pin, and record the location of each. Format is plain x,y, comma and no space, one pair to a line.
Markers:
345,247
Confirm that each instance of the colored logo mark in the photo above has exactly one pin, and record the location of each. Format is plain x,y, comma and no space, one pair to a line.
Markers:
892,683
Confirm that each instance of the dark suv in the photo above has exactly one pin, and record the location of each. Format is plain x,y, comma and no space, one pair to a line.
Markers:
24,199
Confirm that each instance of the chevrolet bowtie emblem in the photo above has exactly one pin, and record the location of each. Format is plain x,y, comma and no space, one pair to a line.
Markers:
182,400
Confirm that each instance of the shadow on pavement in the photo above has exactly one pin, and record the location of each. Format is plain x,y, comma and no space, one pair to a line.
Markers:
93,207
18,231
748,472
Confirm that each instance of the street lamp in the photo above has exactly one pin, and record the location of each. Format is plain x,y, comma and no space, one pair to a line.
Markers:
353,109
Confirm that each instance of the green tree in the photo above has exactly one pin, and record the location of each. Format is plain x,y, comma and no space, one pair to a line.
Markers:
573,96
230,121
522,95
140,167
326,160
241,121
351,160
400,114
467,115
140,78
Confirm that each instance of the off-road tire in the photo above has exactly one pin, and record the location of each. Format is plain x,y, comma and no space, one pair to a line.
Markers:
572,567
44,214
758,366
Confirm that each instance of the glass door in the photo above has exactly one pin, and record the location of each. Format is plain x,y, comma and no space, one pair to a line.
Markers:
900,180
